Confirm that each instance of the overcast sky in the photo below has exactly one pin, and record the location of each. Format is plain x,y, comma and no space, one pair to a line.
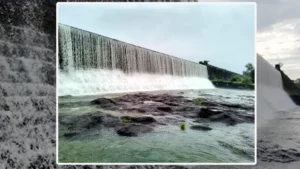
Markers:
278,33
222,34
278,37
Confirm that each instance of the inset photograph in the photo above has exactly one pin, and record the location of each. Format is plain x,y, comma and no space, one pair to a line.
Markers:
156,83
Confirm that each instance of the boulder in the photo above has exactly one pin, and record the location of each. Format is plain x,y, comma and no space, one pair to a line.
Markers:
132,130
90,120
71,134
171,104
200,127
207,112
164,108
142,120
229,118
103,102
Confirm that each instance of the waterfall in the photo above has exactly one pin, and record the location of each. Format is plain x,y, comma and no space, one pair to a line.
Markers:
85,56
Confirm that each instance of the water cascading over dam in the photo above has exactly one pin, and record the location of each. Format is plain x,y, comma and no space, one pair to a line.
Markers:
271,97
93,64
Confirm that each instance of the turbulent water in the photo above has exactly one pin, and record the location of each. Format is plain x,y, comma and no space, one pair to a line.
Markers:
90,82
94,64
166,143
271,96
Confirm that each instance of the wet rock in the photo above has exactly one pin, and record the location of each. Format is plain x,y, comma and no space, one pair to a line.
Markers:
200,127
158,113
171,104
141,110
198,101
174,119
71,134
247,117
191,114
165,104
73,104
201,120
209,104
207,112
227,117
275,153
237,106
186,108
132,130
111,121
164,108
158,100
219,117
142,120
103,102
90,120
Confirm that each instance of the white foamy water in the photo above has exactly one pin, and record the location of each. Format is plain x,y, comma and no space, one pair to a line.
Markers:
93,64
100,81
271,97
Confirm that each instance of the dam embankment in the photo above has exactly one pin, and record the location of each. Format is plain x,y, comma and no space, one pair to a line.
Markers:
291,88
223,78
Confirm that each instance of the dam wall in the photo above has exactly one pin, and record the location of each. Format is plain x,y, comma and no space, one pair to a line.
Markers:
271,96
92,64
79,49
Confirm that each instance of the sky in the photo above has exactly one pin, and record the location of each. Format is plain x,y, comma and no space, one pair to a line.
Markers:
278,36
278,33
224,34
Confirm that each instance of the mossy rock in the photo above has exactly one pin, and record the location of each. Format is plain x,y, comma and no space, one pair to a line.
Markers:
199,101
126,121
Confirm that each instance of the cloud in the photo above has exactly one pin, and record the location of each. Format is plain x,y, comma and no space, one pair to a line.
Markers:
270,12
280,43
278,36
280,40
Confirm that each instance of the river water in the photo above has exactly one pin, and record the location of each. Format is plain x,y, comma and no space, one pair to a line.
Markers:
167,143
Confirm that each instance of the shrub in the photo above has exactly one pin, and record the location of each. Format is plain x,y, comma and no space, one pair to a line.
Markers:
247,80
236,79
182,126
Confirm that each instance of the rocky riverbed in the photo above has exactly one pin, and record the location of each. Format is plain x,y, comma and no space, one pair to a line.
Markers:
144,115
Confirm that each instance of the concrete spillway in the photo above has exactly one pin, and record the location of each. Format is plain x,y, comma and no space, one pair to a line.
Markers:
271,97
94,64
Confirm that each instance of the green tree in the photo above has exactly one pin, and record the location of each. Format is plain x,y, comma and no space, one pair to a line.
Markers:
236,79
250,72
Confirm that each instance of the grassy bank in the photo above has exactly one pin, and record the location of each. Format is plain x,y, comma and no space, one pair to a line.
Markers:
236,82
291,88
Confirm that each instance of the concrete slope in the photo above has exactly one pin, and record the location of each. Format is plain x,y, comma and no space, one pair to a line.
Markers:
271,97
